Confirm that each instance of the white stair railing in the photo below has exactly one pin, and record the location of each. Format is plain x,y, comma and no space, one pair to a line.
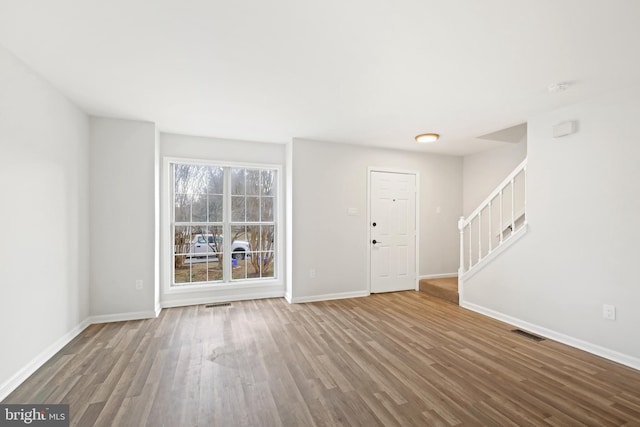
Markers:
498,219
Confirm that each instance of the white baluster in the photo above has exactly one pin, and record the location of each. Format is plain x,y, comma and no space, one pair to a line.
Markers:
501,223
513,207
479,236
470,241
490,227
461,230
524,196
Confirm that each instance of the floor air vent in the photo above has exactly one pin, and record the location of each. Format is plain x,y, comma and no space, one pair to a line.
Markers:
218,304
528,335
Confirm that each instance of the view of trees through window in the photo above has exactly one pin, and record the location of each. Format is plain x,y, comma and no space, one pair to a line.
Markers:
213,202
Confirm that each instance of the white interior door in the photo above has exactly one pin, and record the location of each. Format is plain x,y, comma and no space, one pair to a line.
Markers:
392,226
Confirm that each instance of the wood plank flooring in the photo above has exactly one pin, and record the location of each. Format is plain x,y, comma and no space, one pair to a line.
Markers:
398,359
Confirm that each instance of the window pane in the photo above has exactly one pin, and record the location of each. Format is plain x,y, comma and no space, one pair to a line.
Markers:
239,236
215,208
181,238
238,208
197,230
215,180
240,247
253,182
266,211
238,269
268,180
252,236
181,265
215,255
199,208
237,181
214,239
268,262
182,207
182,274
267,237
253,209
190,179
214,272
180,177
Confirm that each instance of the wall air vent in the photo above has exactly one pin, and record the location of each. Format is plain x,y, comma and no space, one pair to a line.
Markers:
528,335
218,304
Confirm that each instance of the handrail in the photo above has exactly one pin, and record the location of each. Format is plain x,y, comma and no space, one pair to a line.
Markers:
520,219
495,192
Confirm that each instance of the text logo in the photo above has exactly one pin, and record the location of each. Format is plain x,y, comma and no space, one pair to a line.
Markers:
34,415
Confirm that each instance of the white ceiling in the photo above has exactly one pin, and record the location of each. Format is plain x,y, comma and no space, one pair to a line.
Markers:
375,72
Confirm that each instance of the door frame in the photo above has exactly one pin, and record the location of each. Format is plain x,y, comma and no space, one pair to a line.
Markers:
371,169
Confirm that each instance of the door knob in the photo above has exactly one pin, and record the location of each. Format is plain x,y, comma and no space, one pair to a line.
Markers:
374,241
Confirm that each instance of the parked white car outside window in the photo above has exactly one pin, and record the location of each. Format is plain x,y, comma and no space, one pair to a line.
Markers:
209,245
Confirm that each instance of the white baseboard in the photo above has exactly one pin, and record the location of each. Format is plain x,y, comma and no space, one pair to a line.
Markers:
19,377
123,317
438,276
624,359
223,298
288,297
327,297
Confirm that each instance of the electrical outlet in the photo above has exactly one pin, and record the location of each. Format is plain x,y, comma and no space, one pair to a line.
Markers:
139,284
609,312
312,273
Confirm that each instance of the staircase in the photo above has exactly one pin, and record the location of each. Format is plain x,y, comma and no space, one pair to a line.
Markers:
445,288
498,219
496,224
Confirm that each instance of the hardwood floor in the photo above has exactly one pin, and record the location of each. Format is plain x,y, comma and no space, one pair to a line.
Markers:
396,359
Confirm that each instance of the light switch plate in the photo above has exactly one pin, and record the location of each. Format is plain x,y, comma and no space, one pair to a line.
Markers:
609,312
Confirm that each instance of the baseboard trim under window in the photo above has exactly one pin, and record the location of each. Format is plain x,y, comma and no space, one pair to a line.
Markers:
213,298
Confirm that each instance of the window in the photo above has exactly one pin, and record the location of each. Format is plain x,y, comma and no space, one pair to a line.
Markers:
211,202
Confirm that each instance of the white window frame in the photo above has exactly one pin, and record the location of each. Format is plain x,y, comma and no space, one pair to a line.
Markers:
167,261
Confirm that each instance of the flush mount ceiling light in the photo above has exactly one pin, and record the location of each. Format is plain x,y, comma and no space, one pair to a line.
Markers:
427,137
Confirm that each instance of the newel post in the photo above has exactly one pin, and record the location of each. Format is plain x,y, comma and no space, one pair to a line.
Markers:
461,229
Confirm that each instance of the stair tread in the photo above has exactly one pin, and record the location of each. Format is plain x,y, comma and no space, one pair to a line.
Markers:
444,288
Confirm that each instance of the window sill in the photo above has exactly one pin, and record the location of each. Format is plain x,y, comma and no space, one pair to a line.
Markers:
241,284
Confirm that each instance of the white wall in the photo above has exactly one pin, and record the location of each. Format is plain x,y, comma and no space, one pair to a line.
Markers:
246,152
582,248
483,172
44,255
123,208
330,178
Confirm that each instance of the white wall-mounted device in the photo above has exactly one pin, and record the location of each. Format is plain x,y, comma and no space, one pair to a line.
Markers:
565,129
